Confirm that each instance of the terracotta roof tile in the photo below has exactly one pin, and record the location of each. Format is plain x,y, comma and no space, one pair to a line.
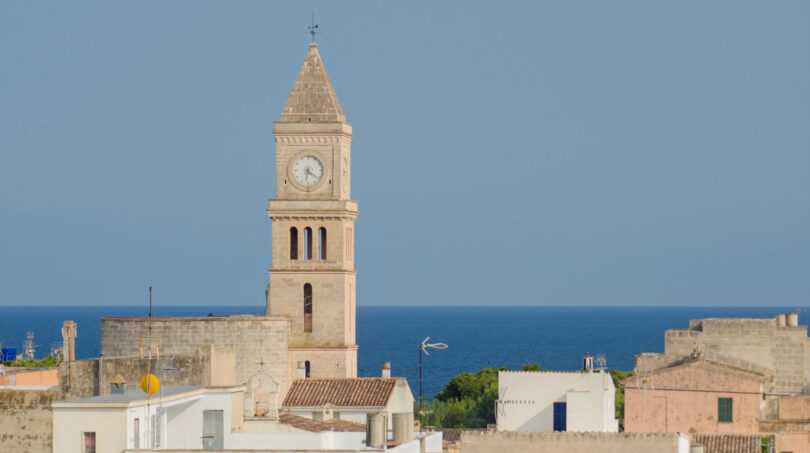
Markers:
316,426
351,392
728,443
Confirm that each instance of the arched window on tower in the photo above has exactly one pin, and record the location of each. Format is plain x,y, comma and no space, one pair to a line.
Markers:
307,243
322,242
307,369
307,307
293,243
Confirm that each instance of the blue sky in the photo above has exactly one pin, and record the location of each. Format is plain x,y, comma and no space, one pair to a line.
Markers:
554,153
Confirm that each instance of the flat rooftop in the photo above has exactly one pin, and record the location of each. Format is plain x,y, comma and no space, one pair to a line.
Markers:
137,395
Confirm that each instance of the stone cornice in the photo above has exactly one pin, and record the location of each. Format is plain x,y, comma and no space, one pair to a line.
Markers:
311,139
310,216
310,271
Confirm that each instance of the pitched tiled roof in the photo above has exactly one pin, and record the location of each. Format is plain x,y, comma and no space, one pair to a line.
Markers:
316,426
350,392
728,443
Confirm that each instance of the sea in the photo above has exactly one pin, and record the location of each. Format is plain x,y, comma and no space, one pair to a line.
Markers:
554,337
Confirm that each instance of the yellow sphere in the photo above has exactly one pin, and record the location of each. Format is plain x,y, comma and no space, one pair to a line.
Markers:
150,384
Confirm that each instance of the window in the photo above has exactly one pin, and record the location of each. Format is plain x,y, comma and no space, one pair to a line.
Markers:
293,243
307,307
307,243
307,369
156,428
725,410
136,433
88,442
322,242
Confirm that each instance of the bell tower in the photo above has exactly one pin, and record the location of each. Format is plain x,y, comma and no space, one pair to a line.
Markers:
312,274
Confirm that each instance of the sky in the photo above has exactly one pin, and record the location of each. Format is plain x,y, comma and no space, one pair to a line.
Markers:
504,153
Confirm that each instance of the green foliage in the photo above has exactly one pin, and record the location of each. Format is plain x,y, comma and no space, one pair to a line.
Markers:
468,400
47,362
469,385
618,376
766,443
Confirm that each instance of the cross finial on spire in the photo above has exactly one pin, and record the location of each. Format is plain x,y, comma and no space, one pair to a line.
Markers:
313,28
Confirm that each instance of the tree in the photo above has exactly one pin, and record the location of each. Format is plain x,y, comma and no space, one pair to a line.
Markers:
468,400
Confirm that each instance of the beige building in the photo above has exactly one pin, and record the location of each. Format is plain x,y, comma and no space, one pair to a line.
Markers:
28,377
309,326
727,375
696,395
312,274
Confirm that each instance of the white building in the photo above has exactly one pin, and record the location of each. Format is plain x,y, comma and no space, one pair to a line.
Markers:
178,417
350,399
538,401
213,418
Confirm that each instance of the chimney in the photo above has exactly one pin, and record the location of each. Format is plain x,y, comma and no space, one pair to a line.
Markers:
386,370
781,320
587,363
69,341
793,320
376,429
301,371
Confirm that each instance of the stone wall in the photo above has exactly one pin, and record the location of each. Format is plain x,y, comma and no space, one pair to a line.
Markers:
26,421
497,442
253,340
364,450
762,342
83,378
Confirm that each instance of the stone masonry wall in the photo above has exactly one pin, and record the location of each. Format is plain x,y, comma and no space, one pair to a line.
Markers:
496,442
758,341
26,421
253,339
83,378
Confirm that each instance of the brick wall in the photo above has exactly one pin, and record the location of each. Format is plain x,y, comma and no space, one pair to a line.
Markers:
26,421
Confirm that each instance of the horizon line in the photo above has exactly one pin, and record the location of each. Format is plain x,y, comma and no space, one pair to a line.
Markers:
428,306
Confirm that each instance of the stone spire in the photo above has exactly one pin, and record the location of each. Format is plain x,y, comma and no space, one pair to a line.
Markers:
312,99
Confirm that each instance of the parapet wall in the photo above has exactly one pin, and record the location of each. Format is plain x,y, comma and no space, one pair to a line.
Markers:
83,378
256,341
26,421
761,342
504,441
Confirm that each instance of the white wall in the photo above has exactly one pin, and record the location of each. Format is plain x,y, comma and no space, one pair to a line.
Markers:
684,446
108,424
526,401
184,420
352,415
297,441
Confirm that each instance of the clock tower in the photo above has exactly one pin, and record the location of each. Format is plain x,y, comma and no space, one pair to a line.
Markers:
312,274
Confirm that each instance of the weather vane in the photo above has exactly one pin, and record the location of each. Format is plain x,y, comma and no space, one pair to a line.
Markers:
313,28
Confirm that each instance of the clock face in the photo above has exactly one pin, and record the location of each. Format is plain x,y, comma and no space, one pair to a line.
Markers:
307,171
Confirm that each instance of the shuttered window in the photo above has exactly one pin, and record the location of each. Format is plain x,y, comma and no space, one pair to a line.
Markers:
725,410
